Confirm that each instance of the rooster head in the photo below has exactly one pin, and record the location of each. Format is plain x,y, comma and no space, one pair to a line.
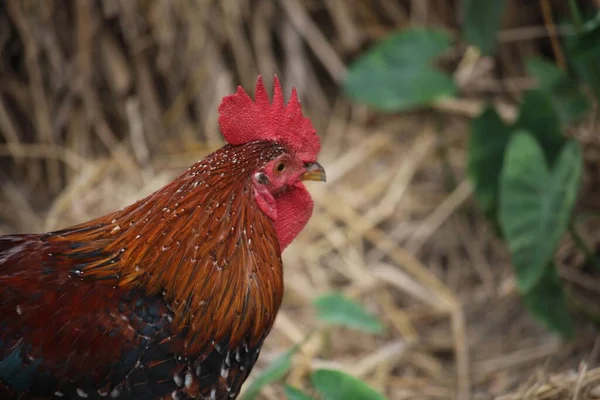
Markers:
278,182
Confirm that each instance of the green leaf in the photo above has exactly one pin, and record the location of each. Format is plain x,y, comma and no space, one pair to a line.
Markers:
274,372
585,44
397,74
536,204
489,138
335,309
295,394
563,91
538,116
546,301
481,22
588,26
336,385
583,53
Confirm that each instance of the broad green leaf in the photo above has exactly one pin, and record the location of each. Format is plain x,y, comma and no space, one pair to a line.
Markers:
569,102
489,137
397,73
546,301
335,309
295,394
536,203
336,385
538,116
481,22
274,372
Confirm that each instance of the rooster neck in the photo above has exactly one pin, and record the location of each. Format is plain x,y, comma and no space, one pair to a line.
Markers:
201,242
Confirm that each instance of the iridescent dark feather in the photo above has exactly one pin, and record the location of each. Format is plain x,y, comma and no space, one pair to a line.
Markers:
171,297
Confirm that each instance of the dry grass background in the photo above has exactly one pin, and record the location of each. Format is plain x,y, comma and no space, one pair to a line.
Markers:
102,102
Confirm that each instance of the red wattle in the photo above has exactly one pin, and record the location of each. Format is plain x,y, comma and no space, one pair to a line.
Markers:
294,208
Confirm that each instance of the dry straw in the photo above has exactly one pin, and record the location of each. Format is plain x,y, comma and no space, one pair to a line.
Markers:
104,102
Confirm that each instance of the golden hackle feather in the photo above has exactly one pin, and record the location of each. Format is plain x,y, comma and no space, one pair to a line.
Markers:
201,242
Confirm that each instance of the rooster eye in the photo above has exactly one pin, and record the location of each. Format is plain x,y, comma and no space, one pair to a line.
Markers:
280,167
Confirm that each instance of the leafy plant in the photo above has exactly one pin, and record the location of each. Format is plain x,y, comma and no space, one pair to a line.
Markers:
536,203
566,97
291,393
526,175
526,178
485,157
582,49
481,22
397,73
546,300
333,309
489,138
336,385
274,372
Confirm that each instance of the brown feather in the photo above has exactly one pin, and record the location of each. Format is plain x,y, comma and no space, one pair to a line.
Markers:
201,241
182,286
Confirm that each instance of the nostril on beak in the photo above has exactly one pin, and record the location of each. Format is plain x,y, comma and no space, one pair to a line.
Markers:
314,172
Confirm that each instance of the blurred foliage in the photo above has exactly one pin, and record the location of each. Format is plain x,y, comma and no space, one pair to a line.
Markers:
546,300
489,139
295,394
397,73
531,203
582,48
336,385
527,179
526,175
335,309
482,22
569,102
276,370
536,203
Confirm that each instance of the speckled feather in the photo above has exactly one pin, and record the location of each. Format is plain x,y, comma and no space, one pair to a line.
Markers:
173,296
170,297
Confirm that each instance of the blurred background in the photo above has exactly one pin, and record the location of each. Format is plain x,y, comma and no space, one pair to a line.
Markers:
103,102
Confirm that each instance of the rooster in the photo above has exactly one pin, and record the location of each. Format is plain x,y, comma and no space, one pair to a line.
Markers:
171,297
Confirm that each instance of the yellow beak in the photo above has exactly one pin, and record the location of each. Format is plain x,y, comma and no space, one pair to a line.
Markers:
314,172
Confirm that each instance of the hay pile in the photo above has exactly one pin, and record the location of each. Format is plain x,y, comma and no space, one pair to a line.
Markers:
102,102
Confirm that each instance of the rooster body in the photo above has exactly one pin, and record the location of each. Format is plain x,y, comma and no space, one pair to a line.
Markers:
173,296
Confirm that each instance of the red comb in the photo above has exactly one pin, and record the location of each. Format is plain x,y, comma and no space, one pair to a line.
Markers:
242,120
